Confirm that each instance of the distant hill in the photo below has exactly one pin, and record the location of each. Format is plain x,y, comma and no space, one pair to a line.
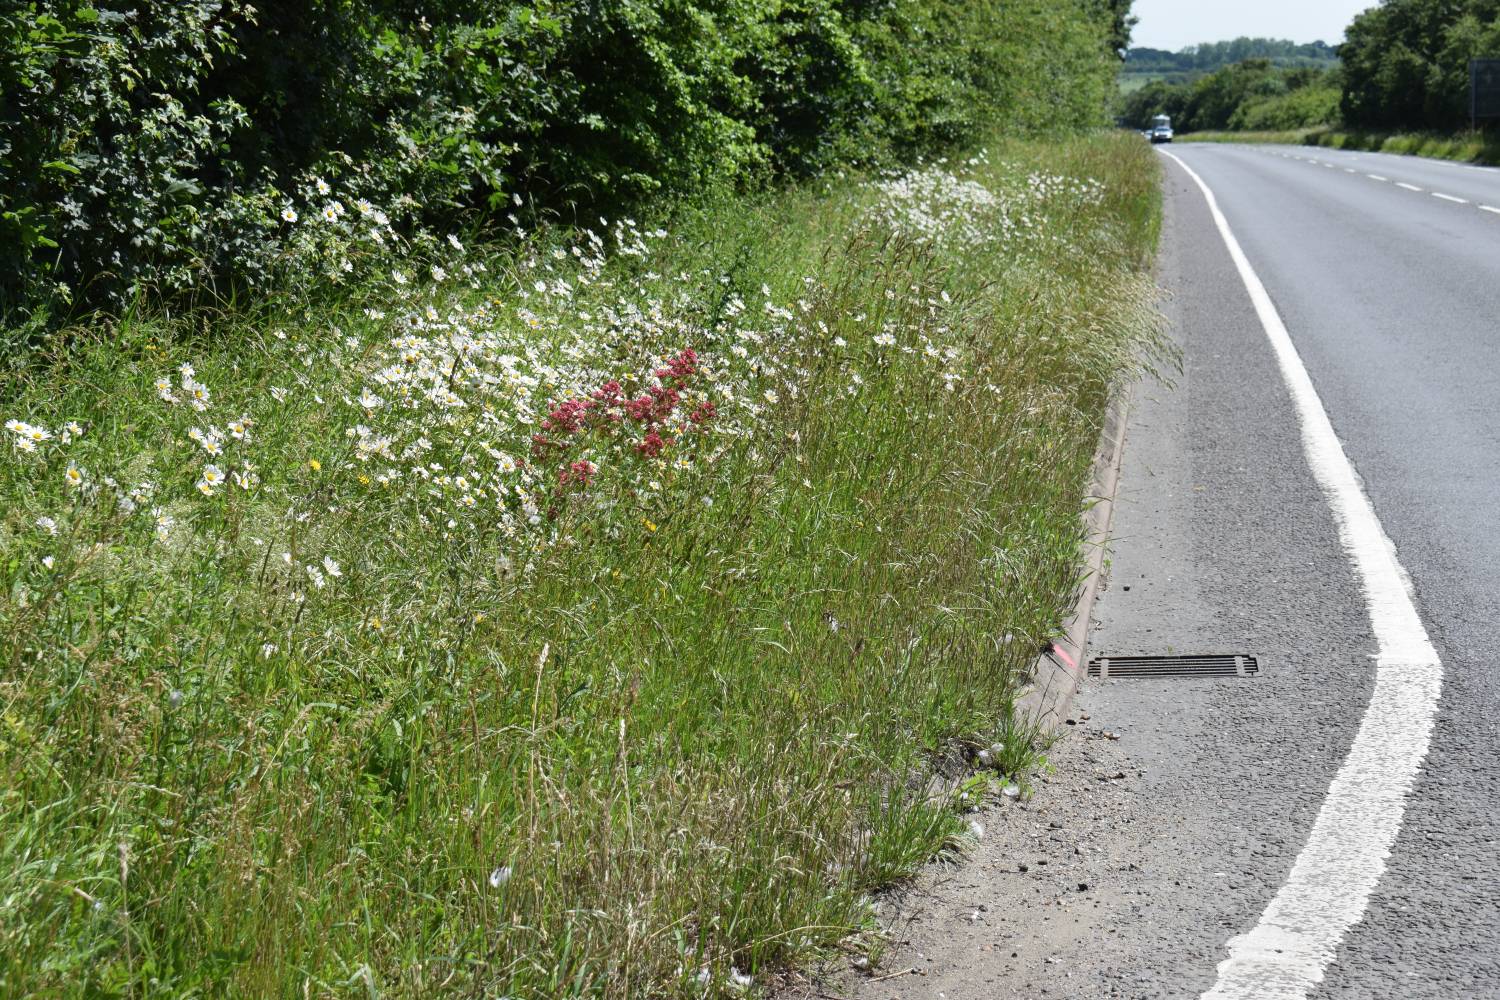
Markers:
1210,56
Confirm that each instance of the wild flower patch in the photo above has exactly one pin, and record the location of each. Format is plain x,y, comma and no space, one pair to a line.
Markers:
945,203
576,620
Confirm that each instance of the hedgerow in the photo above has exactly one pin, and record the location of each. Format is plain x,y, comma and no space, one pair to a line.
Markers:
153,146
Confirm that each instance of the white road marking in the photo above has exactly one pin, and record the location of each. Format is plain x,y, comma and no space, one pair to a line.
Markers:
1328,889
1449,197
1376,177
1409,187
1489,208
1350,170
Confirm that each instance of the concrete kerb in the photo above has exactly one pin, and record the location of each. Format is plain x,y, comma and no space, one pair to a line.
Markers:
1059,671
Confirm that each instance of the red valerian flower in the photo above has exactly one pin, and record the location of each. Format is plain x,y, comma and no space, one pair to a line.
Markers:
569,416
651,445
581,473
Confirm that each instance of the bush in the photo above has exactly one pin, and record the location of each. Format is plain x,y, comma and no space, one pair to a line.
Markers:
1298,109
157,145
1407,63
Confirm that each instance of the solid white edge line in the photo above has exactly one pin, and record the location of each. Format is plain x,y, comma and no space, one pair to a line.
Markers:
1329,886
1449,197
1409,187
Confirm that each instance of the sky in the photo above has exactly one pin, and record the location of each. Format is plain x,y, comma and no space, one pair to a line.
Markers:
1174,24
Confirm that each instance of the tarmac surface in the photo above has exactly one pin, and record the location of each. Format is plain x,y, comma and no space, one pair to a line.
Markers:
1177,806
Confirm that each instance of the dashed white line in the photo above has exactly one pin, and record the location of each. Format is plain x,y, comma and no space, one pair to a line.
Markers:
1350,170
1377,177
1409,187
1449,197
1489,208
1283,957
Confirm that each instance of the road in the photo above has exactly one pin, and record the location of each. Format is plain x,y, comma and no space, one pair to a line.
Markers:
1179,806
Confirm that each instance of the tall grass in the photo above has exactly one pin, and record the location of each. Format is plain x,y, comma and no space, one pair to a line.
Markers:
1467,147
416,706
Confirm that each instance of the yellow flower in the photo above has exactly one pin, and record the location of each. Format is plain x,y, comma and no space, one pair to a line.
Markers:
650,526
375,623
364,479
314,464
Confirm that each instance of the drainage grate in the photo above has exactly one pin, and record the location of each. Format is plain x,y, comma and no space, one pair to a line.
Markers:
1105,667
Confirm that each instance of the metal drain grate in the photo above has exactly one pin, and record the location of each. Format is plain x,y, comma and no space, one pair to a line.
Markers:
1105,667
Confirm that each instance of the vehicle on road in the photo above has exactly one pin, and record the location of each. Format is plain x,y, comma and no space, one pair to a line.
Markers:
1161,129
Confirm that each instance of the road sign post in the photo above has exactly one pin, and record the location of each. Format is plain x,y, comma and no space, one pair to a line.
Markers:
1484,91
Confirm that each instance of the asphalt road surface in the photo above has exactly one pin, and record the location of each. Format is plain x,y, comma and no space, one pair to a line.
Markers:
1386,271
1179,806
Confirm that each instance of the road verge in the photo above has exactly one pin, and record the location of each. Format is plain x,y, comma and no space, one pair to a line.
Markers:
1058,672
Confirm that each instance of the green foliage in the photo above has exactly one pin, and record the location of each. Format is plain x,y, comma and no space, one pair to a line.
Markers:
104,141
155,145
1301,108
1253,94
1407,62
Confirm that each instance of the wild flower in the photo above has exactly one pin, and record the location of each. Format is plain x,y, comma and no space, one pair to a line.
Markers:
48,525
74,476
211,480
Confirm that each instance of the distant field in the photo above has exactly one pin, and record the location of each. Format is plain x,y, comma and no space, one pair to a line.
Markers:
1130,82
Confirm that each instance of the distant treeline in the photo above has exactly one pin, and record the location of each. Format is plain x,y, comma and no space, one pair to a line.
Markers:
1210,56
1404,66
1250,95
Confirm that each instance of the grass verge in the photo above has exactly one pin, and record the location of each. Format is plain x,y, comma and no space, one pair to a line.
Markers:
1470,147
581,620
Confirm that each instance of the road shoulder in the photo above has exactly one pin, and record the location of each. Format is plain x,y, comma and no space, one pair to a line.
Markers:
1176,807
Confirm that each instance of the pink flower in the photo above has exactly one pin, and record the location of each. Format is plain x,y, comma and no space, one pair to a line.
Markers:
651,445
581,473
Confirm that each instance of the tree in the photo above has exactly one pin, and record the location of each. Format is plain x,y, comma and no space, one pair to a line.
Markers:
1406,62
